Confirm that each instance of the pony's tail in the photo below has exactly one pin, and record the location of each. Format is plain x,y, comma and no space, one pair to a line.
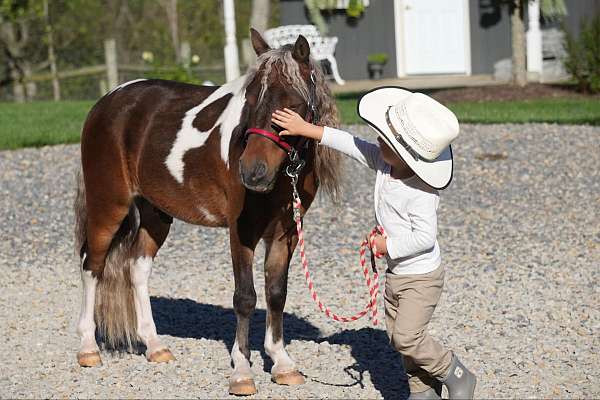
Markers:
114,312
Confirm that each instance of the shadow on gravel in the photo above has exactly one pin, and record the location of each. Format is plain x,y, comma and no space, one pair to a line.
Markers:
372,352
187,318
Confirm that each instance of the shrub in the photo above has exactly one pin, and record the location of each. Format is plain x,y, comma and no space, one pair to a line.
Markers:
174,72
583,55
378,58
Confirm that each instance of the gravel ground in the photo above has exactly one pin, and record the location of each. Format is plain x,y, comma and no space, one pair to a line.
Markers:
520,236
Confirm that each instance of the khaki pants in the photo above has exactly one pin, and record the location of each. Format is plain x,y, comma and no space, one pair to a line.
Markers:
409,304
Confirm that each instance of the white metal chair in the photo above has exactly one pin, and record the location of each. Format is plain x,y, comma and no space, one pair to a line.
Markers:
321,48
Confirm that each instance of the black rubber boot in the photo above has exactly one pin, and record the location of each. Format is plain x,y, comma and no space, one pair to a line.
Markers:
433,393
460,382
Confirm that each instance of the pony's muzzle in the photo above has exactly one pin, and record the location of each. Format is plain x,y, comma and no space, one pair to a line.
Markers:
257,177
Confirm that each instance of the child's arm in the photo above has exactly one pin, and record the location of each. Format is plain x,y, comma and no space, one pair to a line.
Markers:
362,151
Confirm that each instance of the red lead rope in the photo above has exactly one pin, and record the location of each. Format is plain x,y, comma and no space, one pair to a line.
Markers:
372,284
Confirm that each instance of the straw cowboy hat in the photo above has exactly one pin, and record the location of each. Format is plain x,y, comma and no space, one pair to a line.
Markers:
416,127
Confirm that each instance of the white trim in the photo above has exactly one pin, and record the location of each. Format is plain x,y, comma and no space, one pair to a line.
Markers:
399,31
534,38
467,22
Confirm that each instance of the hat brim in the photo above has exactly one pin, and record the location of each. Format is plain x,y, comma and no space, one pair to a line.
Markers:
372,108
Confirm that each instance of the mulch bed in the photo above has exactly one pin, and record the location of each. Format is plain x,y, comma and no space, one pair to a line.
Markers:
509,93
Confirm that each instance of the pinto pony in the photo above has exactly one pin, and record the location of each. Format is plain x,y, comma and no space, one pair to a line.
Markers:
154,150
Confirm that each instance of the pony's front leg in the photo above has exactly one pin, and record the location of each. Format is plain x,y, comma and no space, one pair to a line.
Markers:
244,302
277,261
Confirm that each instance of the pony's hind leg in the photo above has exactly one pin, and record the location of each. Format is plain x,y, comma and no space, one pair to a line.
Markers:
279,252
154,228
99,236
89,353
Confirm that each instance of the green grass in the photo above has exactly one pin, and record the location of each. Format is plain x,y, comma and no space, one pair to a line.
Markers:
44,123
561,111
41,123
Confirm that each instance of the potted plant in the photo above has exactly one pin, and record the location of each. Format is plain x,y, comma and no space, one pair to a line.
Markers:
376,61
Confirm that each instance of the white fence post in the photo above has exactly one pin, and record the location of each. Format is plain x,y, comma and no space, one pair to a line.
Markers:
232,64
186,54
110,56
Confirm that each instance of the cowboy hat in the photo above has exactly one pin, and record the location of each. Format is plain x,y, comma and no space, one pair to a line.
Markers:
416,127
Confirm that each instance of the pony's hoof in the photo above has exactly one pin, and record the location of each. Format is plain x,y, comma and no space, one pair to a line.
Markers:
89,359
245,387
161,356
289,378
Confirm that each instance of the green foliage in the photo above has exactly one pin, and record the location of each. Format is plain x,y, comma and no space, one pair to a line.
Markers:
172,72
17,9
553,9
378,58
354,10
80,27
583,55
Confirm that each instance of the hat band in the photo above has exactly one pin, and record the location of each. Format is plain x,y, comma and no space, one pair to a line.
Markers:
401,140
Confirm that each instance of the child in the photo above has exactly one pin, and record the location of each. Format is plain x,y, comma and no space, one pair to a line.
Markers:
413,161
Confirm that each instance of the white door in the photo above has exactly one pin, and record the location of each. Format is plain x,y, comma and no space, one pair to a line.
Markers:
436,36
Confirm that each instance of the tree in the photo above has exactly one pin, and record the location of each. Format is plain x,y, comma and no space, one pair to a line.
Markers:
261,11
170,7
550,9
517,24
17,21
51,54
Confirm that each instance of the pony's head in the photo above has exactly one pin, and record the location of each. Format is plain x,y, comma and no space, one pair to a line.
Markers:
283,77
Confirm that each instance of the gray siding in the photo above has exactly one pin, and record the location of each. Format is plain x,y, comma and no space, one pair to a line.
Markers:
490,35
578,10
373,32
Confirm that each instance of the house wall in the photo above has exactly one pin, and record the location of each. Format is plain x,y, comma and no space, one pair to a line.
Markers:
577,10
373,32
490,35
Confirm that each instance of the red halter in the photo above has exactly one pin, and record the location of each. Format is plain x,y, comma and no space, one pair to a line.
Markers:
285,146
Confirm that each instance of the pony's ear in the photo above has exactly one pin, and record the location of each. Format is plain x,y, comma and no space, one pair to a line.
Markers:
301,50
259,44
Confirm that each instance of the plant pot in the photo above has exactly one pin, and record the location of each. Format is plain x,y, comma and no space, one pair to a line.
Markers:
375,70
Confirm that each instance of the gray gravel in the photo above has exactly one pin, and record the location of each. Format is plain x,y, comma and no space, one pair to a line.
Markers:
520,236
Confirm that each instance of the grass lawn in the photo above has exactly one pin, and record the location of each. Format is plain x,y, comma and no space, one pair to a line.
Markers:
561,111
43,123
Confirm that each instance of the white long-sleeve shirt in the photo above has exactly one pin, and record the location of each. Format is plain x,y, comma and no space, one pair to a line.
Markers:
406,208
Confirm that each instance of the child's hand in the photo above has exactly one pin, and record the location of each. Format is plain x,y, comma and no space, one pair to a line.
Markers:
295,125
380,245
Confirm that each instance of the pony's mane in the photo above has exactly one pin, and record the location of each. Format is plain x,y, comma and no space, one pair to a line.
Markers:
328,162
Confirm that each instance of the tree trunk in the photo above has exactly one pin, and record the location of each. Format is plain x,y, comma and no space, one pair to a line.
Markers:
519,65
14,36
51,55
170,7
261,11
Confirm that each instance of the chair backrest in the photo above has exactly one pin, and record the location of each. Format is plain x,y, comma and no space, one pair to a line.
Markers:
320,47
287,34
